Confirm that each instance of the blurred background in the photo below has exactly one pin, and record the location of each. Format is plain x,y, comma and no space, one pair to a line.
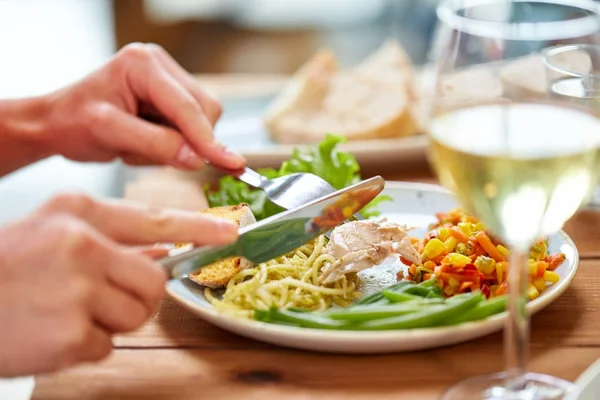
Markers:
46,44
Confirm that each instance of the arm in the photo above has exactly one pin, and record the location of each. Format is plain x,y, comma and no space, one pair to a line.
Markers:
22,124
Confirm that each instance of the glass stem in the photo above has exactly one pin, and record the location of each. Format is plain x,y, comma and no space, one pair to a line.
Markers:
516,334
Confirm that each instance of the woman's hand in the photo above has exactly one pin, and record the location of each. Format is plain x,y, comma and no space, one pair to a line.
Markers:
76,271
141,106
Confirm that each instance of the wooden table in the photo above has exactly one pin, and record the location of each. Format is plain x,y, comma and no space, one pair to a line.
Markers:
178,356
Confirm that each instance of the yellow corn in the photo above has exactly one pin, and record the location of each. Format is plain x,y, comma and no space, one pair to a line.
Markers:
450,244
485,265
551,276
540,284
433,248
532,292
503,250
466,227
458,260
479,227
500,271
444,233
532,267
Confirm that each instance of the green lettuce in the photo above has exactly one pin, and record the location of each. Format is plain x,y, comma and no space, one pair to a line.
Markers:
338,168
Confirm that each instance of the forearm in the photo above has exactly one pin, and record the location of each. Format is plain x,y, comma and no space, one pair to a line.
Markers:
22,124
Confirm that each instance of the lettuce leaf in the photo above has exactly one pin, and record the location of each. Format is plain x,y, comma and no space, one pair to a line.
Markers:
338,168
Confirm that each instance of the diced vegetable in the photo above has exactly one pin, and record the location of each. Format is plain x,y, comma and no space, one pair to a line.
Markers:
433,248
551,276
485,265
486,243
450,244
456,260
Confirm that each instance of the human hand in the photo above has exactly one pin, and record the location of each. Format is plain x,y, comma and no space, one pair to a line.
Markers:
141,106
76,271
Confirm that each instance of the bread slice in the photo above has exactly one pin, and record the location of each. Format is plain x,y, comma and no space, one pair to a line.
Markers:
371,101
220,273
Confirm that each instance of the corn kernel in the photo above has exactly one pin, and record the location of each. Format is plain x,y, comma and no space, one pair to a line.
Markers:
540,284
479,227
532,267
450,243
458,260
466,227
485,265
503,250
532,292
433,248
500,271
551,276
443,233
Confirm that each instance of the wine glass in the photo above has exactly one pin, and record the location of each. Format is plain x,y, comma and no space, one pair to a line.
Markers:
521,162
573,74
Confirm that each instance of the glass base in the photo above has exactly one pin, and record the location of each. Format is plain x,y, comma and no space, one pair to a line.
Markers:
492,387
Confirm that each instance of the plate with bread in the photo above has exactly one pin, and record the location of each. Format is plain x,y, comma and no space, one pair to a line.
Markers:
377,106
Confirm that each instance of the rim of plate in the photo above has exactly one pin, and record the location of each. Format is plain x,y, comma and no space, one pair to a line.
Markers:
312,333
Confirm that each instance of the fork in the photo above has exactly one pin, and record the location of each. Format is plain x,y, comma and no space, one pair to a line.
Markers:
289,191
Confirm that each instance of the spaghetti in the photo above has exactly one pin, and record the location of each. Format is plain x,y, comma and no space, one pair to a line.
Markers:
290,281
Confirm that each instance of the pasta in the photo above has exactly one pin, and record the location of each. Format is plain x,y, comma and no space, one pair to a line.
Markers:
290,281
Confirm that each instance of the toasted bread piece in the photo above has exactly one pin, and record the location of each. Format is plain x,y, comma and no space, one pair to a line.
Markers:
371,101
220,273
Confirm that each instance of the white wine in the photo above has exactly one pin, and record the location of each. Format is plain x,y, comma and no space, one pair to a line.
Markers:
523,168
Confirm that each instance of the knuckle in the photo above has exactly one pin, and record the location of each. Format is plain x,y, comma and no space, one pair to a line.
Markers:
160,220
77,243
76,333
215,108
81,291
99,113
137,51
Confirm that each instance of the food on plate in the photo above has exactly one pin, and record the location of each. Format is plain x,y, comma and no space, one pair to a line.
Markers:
338,168
358,245
317,285
456,273
463,257
220,273
288,281
373,100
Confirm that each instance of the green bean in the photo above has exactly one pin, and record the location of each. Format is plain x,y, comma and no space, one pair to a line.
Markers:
306,320
430,316
372,312
481,311
399,297
378,296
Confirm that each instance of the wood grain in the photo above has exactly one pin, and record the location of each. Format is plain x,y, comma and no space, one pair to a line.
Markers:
176,355
286,374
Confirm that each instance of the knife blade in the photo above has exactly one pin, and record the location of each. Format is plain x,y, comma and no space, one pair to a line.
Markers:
281,233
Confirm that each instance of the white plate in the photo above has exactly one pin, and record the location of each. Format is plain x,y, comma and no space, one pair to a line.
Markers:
413,204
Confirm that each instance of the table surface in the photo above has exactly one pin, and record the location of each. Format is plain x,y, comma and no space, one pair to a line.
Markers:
178,356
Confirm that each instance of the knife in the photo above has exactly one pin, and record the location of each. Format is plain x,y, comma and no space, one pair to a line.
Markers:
281,233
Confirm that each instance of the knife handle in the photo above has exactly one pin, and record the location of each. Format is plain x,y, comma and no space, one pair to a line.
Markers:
193,260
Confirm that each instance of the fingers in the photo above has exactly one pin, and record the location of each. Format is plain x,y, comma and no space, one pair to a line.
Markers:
192,113
139,276
96,346
142,139
117,311
153,252
132,223
211,106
